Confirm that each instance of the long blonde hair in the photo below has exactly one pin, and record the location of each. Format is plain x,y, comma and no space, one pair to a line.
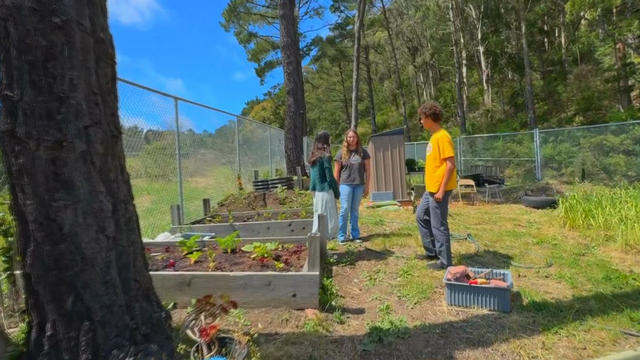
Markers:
345,145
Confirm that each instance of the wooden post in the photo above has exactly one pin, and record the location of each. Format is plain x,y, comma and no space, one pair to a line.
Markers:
299,180
256,174
206,206
176,219
323,227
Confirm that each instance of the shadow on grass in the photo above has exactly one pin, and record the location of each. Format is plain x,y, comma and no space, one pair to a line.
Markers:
485,258
448,339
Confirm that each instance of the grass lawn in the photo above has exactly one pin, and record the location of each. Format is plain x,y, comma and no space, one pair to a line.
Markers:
388,305
153,199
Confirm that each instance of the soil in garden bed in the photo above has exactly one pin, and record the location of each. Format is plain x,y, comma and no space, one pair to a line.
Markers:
168,258
279,199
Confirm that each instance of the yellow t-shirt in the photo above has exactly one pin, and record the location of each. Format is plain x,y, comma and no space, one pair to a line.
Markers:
440,147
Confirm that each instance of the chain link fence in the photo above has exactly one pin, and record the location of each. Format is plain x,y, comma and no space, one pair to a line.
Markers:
606,154
179,152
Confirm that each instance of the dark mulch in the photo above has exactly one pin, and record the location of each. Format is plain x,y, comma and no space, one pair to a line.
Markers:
248,201
167,258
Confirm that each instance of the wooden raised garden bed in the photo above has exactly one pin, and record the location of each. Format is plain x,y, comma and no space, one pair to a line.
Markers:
251,289
252,224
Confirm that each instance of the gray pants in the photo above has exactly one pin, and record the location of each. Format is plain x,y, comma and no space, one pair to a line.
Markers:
433,226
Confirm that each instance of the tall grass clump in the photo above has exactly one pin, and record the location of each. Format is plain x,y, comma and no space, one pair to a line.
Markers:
612,213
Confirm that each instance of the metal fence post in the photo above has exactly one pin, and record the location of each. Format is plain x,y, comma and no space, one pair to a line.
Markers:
179,158
536,145
460,161
270,161
237,146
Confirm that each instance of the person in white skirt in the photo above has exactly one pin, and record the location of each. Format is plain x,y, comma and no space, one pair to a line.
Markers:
323,184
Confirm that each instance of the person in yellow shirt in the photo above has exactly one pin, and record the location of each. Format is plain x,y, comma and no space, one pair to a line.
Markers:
440,180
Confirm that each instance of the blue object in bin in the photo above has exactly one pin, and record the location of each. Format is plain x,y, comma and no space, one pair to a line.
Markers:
483,296
217,357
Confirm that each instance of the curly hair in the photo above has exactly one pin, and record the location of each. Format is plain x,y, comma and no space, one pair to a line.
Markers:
431,110
345,145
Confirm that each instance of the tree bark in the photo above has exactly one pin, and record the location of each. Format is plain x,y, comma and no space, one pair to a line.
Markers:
624,89
345,101
362,6
405,121
563,37
88,292
456,56
296,119
372,102
528,89
485,72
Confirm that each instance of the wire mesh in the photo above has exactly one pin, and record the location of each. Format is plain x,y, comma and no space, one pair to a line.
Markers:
603,154
208,157
508,155
149,141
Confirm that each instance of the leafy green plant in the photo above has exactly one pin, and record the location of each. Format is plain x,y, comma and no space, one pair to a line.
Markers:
189,245
386,329
194,256
329,295
229,243
317,325
282,216
211,256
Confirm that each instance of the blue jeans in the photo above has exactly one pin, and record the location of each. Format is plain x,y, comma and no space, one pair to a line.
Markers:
350,196
434,227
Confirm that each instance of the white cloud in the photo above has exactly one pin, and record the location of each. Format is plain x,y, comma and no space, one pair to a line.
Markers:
240,76
138,13
147,74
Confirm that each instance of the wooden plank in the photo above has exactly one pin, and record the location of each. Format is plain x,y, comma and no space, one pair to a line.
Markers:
206,207
282,239
251,290
175,215
251,229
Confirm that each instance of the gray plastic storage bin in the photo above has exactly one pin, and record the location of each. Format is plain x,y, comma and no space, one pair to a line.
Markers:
482,296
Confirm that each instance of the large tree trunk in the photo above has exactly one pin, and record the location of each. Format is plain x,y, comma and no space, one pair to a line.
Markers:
624,88
405,121
485,72
563,37
462,116
362,7
528,89
88,292
295,122
372,102
345,101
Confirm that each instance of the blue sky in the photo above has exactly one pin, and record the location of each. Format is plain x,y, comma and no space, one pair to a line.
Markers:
180,48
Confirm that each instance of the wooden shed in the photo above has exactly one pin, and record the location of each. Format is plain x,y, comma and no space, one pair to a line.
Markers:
387,163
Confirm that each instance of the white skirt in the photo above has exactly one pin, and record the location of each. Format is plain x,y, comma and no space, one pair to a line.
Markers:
325,203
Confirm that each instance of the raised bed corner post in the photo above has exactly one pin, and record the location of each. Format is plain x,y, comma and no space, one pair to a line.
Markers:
176,216
179,158
206,207
299,180
536,144
322,238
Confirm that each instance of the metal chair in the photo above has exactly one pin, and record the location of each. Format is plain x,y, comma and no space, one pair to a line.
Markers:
467,186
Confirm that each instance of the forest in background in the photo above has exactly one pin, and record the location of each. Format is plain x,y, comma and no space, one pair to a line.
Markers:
494,66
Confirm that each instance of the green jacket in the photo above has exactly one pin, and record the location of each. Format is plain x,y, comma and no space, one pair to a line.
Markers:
322,177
